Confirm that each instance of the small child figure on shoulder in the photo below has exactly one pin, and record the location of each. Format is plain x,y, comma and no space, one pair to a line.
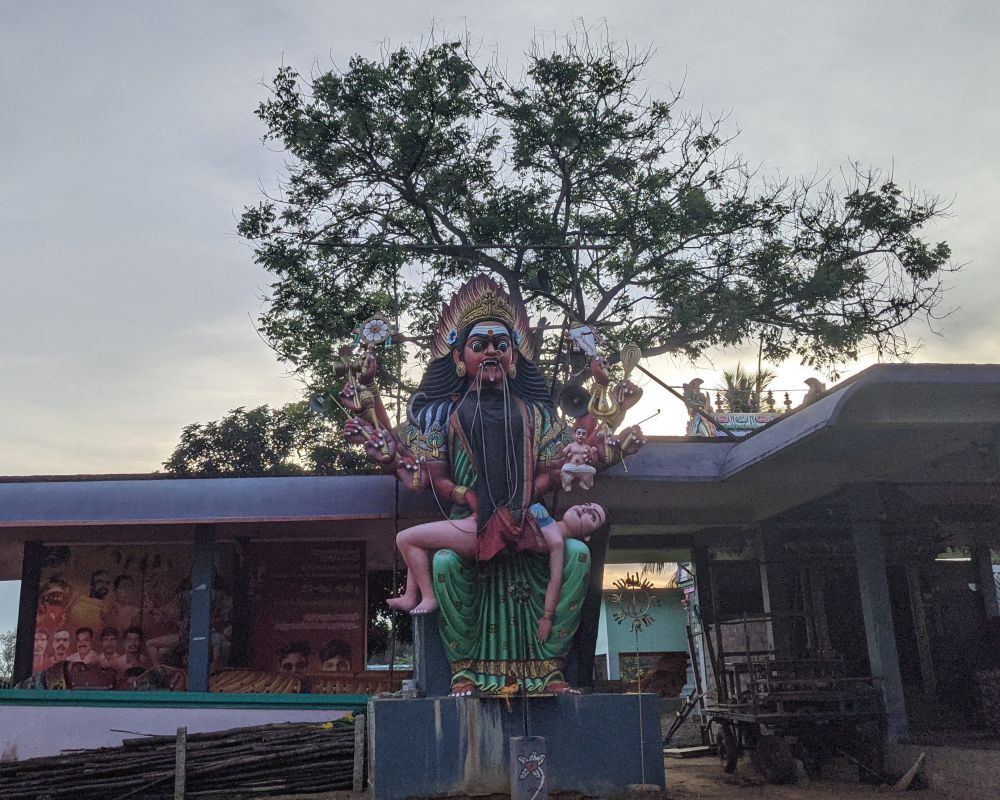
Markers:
579,462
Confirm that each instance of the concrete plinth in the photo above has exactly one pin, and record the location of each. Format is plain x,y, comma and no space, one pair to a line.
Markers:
446,745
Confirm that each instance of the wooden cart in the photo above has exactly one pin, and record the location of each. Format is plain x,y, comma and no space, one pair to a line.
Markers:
782,710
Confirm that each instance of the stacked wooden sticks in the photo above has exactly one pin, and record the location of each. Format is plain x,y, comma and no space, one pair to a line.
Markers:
290,758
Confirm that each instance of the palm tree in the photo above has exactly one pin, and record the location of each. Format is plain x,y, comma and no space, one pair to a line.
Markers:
743,389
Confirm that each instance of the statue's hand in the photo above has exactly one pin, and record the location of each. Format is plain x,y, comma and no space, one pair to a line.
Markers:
624,443
628,441
356,431
632,440
627,394
350,398
379,445
413,473
544,629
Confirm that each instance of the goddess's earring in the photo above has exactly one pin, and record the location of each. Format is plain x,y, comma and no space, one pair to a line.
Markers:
460,369
512,371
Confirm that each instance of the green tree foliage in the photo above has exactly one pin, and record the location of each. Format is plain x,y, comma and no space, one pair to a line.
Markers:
291,440
7,642
410,172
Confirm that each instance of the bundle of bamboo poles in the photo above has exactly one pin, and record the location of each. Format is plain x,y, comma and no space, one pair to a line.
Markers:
289,758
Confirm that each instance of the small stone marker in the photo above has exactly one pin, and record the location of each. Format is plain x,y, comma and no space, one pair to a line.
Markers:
528,768
359,753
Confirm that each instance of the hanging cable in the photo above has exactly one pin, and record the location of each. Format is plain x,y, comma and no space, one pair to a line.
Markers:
395,500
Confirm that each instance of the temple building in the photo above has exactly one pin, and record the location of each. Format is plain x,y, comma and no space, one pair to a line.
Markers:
861,528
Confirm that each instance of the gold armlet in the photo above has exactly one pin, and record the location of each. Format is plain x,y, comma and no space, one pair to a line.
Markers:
458,494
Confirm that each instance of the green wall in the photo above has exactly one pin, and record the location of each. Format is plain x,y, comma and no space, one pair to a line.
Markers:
666,634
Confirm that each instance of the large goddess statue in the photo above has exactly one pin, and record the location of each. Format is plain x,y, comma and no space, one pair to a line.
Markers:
482,435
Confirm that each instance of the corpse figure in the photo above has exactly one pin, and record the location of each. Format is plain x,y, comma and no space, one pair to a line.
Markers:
417,545
580,458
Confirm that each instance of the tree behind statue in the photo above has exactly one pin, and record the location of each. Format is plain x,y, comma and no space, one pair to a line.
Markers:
589,195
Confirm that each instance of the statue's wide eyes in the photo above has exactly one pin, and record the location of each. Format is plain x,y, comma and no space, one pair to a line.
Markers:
477,347
502,345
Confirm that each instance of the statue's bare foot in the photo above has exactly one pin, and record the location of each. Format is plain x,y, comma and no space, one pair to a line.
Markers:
425,607
464,689
403,602
561,687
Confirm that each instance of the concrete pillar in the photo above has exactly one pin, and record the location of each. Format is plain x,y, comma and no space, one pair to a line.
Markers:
202,573
431,669
776,569
876,608
24,644
699,615
766,577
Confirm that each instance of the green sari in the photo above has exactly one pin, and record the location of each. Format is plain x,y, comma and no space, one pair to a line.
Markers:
489,617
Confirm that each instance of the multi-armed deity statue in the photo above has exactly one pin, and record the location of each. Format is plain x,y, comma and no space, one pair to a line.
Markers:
482,434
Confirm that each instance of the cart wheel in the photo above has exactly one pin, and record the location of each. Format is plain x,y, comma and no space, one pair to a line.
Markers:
729,747
772,758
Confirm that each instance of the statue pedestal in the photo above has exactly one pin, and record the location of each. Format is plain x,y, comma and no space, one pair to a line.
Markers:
435,746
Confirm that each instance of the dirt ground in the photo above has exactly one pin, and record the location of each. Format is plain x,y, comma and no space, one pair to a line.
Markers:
703,778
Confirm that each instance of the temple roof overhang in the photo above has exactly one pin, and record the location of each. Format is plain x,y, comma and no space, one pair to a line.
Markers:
927,434
932,431
164,500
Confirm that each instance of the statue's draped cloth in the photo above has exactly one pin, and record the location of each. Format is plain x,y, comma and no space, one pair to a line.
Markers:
489,616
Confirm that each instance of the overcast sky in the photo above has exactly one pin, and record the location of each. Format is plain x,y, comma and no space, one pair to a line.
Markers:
130,147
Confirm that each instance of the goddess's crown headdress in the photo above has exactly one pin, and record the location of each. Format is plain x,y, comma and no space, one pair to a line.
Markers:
481,298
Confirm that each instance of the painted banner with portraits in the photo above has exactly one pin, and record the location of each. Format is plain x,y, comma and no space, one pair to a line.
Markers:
309,605
110,612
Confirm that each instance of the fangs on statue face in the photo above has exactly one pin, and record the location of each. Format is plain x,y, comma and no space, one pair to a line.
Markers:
488,353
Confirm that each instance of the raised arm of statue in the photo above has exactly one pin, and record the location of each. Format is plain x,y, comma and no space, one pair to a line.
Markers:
360,395
370,425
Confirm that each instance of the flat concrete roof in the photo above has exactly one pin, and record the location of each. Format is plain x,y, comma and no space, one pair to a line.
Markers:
198,500
919,424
